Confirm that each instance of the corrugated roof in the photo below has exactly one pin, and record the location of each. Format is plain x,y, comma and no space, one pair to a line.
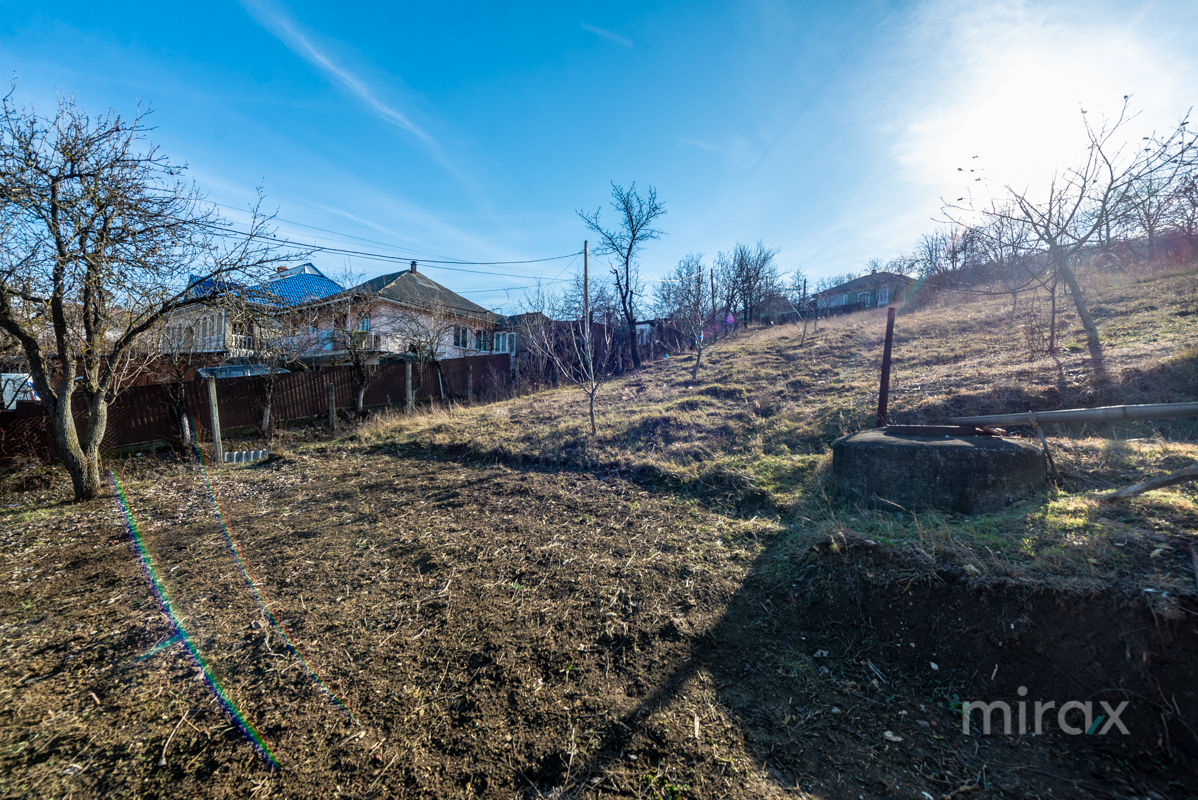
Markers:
209,286
416,290
301,284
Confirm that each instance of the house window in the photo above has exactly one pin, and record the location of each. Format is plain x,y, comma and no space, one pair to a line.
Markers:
364,323
461,337
883,296
478,340
501,342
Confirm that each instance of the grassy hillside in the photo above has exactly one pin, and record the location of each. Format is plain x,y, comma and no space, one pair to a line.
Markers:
676,609
752,435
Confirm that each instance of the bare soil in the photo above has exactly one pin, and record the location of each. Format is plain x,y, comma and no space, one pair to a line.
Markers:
486,603
502,631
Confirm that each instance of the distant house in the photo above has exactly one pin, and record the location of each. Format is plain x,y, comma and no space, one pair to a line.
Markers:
874,290
658,336
777,309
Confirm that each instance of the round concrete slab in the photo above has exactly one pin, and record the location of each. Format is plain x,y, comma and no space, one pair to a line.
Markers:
949,471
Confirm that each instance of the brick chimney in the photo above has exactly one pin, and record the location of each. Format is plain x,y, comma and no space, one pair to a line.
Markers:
413,267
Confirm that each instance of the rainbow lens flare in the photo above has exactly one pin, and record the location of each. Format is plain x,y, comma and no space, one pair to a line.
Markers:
249,581
160,594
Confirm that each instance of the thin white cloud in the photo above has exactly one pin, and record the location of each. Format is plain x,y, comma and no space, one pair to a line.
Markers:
606,34
286,31
738,150
282,27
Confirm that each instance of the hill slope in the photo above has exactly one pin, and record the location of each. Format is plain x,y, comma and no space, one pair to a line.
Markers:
675,610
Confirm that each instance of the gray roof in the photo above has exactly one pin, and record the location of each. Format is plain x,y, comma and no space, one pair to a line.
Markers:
870,281
418,291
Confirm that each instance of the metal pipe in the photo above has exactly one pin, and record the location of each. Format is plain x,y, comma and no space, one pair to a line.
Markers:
1102,414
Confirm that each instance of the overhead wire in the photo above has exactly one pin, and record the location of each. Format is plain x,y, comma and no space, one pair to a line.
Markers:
444,264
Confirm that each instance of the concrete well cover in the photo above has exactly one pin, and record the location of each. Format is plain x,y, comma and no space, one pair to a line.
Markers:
953,472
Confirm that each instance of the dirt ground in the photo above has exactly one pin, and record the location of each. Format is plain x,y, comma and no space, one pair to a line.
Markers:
495,631
486,602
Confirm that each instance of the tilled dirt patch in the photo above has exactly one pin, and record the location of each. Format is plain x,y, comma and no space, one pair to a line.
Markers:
497,631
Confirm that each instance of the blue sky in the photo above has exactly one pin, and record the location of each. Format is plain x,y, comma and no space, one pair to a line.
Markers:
475,131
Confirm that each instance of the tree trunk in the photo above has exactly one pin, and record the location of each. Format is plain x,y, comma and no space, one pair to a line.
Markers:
594,430
72,455
87,482
1093,343
636,358
1052,319
184,426
698,356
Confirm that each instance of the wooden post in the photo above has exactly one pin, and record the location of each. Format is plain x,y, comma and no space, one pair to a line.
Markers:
214,412
469,382
409,400
884,389
332,406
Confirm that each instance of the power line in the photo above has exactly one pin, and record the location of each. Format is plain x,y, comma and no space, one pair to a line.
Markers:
516,288
436,263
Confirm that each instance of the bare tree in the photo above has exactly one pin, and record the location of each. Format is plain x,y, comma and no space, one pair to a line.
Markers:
359,334
98,234
175,367
1150,201
946,254
268,336
636,217
754,275
682,297
930,253
579,348
1081,201
1006,242
726,289
795,293
901,265
1185,206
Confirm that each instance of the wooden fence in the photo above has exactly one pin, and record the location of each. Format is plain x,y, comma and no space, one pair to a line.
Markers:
147,414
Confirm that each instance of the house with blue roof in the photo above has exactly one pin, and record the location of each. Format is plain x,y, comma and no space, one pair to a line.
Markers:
253,313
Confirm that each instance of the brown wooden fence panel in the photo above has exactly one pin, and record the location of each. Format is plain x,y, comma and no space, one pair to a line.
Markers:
138,414
146,413
25,433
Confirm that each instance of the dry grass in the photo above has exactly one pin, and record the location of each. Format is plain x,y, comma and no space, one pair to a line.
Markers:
515,609
751,436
